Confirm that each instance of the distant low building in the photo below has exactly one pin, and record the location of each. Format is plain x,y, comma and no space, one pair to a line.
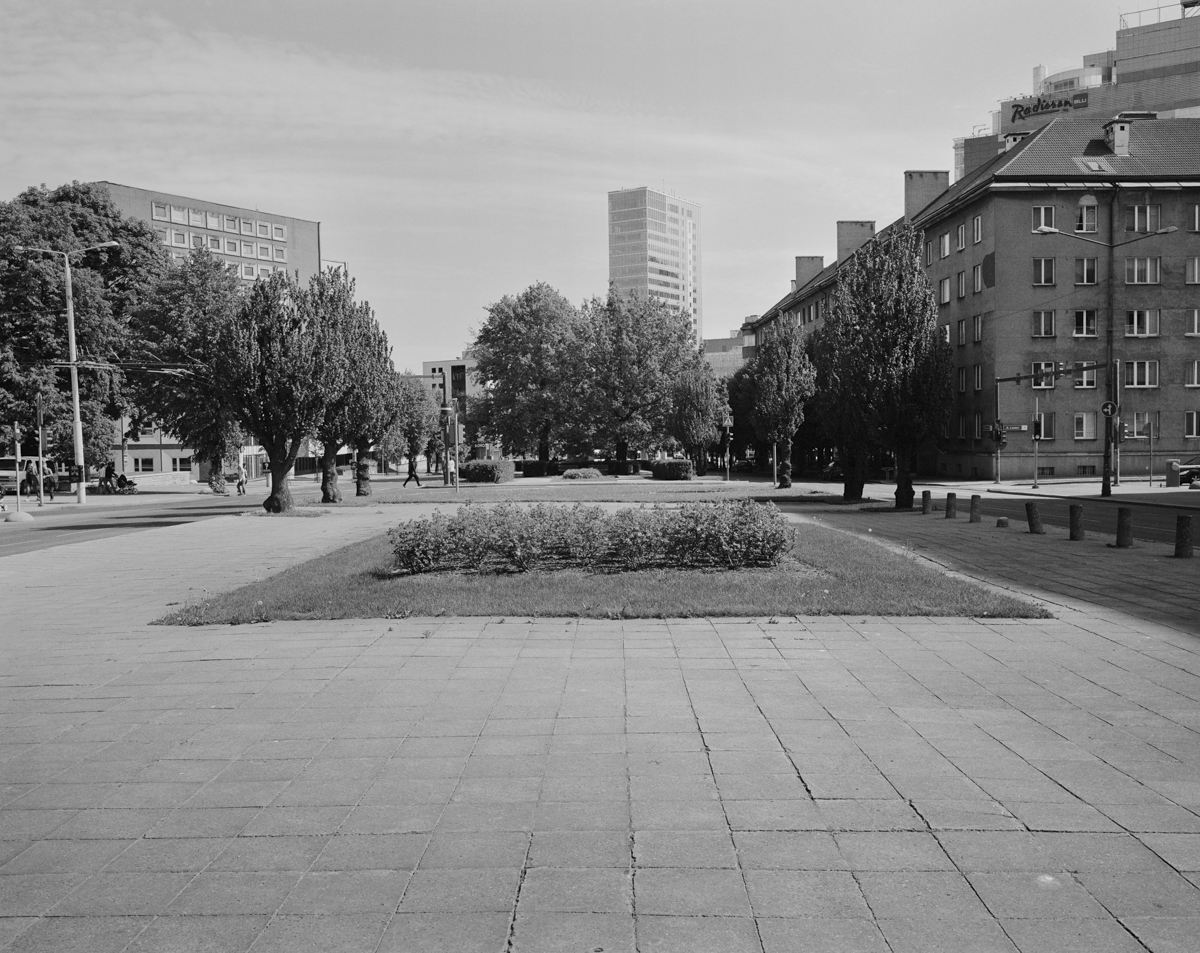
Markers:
724,355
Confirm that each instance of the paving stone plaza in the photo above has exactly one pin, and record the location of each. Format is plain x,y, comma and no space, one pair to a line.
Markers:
839,784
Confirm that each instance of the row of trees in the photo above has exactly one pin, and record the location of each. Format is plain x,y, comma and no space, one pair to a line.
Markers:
192,349
619,374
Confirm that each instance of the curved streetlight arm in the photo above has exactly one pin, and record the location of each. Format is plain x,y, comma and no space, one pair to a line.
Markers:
1047,230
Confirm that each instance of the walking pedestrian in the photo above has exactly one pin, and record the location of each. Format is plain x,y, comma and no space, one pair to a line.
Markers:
452,470
49,479
412,471
29,484
243,476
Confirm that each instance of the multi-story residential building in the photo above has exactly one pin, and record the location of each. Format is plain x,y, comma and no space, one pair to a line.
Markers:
724,355
1078,247
460,378
253,244
654,250
1155,65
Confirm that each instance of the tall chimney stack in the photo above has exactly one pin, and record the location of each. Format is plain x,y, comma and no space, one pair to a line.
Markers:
920,188
851,236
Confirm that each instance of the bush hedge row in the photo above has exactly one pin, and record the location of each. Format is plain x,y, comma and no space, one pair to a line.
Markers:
513,538
487,471
582,473
672,469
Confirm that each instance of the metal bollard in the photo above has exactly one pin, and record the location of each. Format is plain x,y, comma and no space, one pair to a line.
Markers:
1034,518
976,515
951,506
926,502
1183,537
1077,521
1124,527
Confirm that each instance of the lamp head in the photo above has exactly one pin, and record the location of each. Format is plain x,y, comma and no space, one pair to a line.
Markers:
1045,230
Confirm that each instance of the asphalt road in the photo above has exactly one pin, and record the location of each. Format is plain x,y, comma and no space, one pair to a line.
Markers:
56,526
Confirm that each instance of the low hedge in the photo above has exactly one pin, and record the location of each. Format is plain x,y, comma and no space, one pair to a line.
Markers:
624,468
487,471
582,473
511,538
672,469
539,468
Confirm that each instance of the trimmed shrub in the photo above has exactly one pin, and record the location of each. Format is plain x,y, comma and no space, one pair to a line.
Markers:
673,469
628,468
487,471
513,538
583,473
539,468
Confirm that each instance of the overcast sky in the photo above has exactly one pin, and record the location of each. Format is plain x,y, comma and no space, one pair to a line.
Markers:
458,151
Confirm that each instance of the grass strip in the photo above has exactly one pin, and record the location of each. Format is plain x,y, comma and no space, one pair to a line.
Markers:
829,573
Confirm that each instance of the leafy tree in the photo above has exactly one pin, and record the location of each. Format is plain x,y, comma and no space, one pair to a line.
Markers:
627,357
521,355
784,379
698,407
108,285
181,322
415,422
884,368
359,378
271,363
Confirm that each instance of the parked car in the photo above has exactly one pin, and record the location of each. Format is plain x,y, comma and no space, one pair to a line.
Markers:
1189,471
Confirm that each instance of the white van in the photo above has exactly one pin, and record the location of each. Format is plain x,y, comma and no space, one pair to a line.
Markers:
9,479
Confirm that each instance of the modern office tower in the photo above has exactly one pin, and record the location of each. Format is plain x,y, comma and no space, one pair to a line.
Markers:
1155,66
251,243
654,249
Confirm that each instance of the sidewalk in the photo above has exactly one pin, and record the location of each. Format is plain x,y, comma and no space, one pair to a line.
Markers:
827,785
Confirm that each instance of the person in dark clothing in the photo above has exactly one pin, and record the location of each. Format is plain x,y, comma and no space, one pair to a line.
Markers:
412,471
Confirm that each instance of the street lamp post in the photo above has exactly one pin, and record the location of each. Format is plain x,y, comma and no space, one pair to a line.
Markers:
77,422
1111,373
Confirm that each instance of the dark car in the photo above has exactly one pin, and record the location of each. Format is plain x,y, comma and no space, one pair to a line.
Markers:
1189,471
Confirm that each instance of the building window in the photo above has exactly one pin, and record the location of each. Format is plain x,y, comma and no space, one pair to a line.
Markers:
962,427
1193,322
962,237
279,233
1043,324
1142,218
962,331
197,240
158,211
1191,423
1142,271
944,245
977,323
962,284
1084,380
196,217
281,254
248,271
178,238
161,235
247,249
962,380
1193,374
944,291
212,221
1043,428
265,271
231,246
977,227
229,223
977,278
264,252
1043,375
1085,426
1141,324
1141,373
1043,216
264,230
143,464
1193,271
1043,271
928,253
1142,425
1085,219
1085,324
247,227
1085,271
979,426
178,215
979,377
214,243
946,333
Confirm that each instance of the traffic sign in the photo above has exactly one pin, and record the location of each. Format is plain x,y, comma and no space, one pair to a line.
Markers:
1108,408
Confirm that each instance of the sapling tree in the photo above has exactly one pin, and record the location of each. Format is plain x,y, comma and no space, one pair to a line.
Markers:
783,380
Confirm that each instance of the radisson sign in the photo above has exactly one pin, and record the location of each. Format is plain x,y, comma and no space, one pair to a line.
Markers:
1028,109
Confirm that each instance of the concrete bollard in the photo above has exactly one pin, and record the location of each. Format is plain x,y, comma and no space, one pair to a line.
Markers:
926,502
1124,527
1002,523
976,515
1077,521
1183,537
951,506
1034,518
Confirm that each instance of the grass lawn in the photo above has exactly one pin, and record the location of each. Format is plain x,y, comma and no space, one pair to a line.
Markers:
828,573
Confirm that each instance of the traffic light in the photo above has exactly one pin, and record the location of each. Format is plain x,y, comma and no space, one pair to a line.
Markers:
1037,428
460,433
998,432
1124,431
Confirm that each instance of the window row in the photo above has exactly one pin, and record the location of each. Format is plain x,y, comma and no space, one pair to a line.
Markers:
1087,425
199,218
1137,374
1138,323
1138,271
1138,218
224,246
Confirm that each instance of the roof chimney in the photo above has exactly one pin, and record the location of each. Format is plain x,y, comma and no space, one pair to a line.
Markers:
807,268
921,188
1012,138
851,236
1116,134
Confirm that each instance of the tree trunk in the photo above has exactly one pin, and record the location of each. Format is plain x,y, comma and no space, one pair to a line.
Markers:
785,463
362,474
622,451
544,444
701,461
329,475
280,500
904,483
854,472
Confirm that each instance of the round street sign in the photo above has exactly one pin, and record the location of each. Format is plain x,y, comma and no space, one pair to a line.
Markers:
1108,408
